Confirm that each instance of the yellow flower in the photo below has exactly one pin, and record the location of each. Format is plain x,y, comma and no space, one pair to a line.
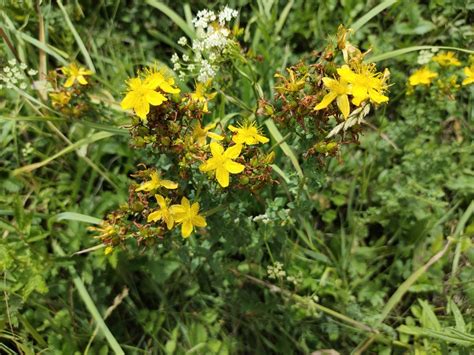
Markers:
60,99
200,134
188,215
446,59
339,91
469,72
422,76
105,229
222,162
73,72
291,84
248,133
200,96
141,94
156,182
365,84
163,213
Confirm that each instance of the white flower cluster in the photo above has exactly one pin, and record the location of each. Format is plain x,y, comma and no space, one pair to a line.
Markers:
276,271
27,150
261,218
424,57
13,74
212,37
295,280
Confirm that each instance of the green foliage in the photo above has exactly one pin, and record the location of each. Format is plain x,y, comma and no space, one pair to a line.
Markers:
318,261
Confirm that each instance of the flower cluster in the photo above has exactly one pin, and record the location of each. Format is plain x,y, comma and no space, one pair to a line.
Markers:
149,88
276,271
214,157
66,87
223,162
15,74
362,82
310,97
213,39
74,74
184,214
441,70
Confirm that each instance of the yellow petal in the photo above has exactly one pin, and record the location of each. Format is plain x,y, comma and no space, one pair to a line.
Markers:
347,74
233,167
468,81
232,128
69,82
199,221
170,185
142,108
239,139
154,216
326,101
186,229
331,84
128,101
215,136
178,212
84,71
262,139
185,203
82,80
343,104
168,88
359,91
195,208
155,98
169,221
222,176
210,164
161,200
377,97
216,149
234,151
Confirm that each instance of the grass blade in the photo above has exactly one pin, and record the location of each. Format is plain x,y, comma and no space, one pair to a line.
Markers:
284,14
93,138
78,39
400,292
86,298
54,52
459,228
398,52
275,133
79,217
371,14
178,20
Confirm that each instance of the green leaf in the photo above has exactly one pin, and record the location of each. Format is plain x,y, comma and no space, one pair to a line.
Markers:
73,216
428,317
460,324
448,335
